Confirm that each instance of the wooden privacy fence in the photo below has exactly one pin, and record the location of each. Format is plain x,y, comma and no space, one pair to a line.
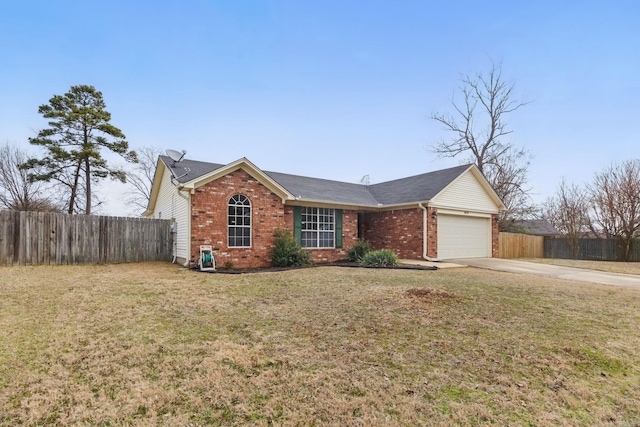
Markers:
515,245
34,238
589,249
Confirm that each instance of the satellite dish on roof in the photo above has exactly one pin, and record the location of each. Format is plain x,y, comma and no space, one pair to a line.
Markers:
176,156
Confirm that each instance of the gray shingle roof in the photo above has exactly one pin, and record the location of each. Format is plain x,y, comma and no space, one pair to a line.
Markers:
324,189
195,167
539,227
416,188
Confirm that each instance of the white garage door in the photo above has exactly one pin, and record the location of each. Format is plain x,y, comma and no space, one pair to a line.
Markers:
463,237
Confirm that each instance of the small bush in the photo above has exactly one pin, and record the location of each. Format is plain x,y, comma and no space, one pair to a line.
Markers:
380,258
359,249
287,252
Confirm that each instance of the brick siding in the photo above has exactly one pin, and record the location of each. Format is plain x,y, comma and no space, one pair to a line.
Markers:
398,230
495,236
209,209
432,233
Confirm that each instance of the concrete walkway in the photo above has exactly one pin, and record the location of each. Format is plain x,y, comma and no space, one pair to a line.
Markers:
430,263
569,273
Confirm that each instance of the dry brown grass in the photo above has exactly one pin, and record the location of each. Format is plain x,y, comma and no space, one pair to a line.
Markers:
609,266
152,344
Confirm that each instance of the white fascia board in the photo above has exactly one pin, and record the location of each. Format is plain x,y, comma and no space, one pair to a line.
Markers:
249,168
155,187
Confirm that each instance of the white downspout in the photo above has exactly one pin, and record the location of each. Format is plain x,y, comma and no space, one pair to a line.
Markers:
424,234
188,232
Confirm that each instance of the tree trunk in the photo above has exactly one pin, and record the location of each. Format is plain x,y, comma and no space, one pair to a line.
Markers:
626,248
74,189
87,172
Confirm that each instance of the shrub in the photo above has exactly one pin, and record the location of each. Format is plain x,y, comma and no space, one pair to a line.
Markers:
379,258
359,249
287,252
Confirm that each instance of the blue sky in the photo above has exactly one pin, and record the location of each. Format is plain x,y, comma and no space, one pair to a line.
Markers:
330,89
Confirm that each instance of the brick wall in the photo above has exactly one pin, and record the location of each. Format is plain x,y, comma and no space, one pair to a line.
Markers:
432,233
401,231
209,208
495,236
398,230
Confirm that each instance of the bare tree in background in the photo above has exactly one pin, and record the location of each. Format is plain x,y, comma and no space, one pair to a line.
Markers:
17,192
141,178
479,121
568,211
479,125
507,174
616,203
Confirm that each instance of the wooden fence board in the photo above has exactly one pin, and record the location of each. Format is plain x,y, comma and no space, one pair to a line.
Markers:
589,249
36,238
515,245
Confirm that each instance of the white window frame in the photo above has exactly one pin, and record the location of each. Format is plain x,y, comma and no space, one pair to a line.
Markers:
316,224
239,201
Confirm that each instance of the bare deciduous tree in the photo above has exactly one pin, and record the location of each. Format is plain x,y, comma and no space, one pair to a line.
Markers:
479,125
507,174
568,211
479,121
616,202
17,192
141,178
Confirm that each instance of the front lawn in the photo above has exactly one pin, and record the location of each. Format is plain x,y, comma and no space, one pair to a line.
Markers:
154,344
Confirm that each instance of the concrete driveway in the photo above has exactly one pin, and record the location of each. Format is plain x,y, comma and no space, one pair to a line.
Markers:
569,273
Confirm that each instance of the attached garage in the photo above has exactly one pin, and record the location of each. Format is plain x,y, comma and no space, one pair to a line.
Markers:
463,236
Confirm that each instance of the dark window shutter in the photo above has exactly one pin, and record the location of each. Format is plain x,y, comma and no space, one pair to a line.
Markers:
297,223
338,228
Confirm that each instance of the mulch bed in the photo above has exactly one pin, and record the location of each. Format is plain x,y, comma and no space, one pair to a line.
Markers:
332,264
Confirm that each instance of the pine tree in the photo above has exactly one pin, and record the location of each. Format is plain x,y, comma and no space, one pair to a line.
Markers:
79,128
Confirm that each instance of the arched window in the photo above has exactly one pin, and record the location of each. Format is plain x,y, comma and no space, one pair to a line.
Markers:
239,221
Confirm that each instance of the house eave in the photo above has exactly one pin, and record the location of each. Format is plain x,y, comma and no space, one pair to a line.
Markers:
353,206
249,168
155,188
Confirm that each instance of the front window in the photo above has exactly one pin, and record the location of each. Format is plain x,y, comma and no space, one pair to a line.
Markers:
317,228
239,221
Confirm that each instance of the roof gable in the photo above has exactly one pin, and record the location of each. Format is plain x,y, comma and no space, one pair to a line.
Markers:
470,190
246,166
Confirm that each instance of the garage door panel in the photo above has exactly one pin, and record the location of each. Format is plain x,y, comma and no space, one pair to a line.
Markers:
463,236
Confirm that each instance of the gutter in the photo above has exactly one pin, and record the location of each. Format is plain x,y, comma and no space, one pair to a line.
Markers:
424,234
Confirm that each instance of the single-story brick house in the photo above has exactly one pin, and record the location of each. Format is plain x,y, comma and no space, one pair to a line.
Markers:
236,208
